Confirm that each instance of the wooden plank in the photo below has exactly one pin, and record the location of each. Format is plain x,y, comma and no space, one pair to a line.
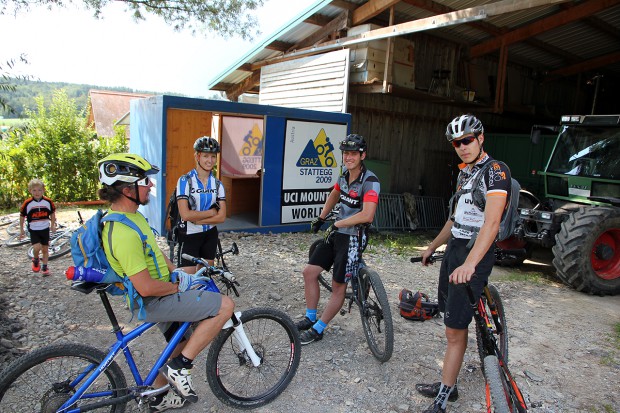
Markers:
183,128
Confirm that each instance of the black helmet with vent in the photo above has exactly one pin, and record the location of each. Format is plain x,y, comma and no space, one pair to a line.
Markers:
353,142
206,144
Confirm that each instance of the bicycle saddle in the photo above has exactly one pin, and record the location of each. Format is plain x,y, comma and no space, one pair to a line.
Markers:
87,287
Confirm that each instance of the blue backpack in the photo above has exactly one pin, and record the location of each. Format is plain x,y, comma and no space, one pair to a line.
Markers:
87,251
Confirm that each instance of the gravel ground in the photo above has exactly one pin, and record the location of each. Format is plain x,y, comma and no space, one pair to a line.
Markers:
562,347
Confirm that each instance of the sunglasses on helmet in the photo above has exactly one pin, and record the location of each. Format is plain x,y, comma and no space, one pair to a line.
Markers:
465,141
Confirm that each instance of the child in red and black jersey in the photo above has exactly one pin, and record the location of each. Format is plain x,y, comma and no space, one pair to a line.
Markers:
40,212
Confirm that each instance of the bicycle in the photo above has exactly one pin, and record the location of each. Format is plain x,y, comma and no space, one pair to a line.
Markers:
367,291
249,363
60,241
502,393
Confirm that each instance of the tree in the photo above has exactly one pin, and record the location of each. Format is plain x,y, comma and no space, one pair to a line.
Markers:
58,147
224,17
7,80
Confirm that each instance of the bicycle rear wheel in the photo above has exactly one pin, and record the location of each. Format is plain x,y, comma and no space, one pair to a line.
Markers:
501,338
14,240
45,379
325,278
376,315
232,376
57,247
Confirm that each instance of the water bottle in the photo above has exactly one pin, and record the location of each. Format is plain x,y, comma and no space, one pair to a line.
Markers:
85,274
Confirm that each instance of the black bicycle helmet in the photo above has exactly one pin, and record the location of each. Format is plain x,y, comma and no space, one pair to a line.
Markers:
353,142
206,144
464,125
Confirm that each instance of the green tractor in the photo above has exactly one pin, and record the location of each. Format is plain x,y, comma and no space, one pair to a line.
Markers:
580,219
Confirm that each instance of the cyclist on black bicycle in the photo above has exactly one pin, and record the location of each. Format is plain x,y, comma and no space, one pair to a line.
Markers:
357,191
470,234
126,185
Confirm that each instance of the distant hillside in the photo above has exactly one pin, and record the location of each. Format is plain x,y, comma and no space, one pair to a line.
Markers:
27,91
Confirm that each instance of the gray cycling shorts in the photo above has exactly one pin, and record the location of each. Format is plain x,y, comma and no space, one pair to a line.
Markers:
193,305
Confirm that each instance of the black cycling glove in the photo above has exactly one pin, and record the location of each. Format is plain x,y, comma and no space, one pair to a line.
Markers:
329,234
316,225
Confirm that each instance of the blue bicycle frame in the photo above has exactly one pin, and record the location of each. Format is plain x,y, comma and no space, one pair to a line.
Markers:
122,344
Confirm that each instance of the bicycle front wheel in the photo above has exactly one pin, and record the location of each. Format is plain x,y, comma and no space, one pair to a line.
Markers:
376,315
497,386
501,337
43,380
232,376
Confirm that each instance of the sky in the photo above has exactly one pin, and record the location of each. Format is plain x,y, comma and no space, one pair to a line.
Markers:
70,45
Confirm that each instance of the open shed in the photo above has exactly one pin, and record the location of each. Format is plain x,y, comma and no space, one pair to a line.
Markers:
277,164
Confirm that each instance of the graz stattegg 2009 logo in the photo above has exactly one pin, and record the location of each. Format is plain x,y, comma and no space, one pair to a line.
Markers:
318,153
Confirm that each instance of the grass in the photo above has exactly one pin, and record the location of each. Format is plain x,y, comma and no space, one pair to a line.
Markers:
407,243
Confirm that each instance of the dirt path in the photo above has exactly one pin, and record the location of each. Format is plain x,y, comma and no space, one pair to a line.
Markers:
562,349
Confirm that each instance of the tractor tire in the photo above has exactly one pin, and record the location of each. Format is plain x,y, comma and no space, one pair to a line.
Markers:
587,250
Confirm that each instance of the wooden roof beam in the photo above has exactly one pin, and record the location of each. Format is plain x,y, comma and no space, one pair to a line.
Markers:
344,5
371,9
247,84
603,26
428,23
585,66
342,21
577,12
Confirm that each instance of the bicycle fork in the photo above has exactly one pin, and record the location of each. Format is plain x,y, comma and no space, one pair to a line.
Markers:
242,340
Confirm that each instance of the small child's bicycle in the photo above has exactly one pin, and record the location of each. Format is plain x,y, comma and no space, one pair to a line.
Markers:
502,393
249,364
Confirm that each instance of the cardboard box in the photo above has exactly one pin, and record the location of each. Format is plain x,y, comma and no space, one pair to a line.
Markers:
403,75
362,28
368,65
403,51
365,77
367,53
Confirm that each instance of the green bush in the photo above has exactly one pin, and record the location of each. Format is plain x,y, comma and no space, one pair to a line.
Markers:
57,146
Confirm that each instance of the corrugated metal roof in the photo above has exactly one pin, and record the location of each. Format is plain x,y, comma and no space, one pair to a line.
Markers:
595,36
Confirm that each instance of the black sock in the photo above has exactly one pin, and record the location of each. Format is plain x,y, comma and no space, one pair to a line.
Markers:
44,267
181,362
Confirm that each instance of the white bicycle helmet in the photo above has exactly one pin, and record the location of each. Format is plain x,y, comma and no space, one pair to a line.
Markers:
464,125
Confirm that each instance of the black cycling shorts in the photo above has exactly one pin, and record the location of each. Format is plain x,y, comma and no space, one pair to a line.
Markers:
453,298
41,236
341,252
201,245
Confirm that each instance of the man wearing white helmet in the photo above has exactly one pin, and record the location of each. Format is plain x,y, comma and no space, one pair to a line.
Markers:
470,234
126,184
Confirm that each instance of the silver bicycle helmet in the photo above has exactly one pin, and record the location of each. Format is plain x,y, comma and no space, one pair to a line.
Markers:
464,125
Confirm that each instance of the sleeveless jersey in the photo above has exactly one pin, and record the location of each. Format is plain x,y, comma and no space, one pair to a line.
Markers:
365,188
201,198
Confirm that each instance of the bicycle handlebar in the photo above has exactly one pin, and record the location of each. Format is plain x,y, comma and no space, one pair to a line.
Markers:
228,277
436,256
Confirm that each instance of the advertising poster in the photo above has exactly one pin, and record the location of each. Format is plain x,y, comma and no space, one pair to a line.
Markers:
312,163
242,145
